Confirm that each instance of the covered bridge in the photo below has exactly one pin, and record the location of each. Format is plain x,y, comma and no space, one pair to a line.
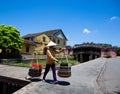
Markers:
86,51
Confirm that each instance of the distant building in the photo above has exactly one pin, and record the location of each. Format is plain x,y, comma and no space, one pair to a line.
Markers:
69,50
88,51
38,41
108,52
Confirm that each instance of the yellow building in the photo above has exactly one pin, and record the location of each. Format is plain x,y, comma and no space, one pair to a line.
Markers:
38,41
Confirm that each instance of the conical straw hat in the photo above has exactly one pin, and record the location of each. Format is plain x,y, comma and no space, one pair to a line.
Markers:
51,43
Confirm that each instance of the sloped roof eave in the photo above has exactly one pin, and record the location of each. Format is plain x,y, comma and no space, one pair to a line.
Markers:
29,42
51,33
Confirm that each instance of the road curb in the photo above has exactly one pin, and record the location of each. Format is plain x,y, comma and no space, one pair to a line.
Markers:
99,77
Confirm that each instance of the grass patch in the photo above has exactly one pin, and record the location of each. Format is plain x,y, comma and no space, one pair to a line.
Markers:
22,64
43,62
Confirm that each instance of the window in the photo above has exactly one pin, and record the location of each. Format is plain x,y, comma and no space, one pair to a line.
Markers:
64,43
58,41
54,40
32,39
27,49
44,39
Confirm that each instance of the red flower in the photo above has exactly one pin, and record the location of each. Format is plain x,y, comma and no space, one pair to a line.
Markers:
38,65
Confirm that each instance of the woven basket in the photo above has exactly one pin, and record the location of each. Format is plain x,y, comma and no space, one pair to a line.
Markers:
35,70
64,70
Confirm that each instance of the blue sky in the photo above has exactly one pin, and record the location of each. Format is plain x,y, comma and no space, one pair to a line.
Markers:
95,21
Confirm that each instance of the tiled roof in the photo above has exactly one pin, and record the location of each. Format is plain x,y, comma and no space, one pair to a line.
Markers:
29,35
49,33
29,42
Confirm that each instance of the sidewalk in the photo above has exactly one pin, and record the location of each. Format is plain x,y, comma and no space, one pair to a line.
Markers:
82,81
13,71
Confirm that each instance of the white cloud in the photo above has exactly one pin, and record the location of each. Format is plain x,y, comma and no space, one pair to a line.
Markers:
86,31
114,18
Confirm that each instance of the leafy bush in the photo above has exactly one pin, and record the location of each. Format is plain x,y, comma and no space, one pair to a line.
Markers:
108,55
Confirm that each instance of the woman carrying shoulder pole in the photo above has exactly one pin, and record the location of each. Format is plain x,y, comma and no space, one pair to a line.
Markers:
50,61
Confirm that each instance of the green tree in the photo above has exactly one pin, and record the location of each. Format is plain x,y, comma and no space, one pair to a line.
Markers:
108,55
106,45
118,51
10,38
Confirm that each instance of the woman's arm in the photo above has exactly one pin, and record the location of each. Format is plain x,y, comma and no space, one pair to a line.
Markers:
50,55
59,51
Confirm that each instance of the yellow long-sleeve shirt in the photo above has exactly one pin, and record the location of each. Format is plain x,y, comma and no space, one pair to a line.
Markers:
51,56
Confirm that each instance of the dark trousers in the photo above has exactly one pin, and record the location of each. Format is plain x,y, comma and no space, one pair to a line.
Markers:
53,67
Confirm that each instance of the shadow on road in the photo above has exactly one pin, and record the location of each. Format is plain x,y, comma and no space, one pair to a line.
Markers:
34,79
63,83
117,92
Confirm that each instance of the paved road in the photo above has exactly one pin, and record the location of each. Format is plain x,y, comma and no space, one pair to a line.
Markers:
110,80
82,81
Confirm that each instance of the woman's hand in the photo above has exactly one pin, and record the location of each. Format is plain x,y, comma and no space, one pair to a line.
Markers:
63,49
